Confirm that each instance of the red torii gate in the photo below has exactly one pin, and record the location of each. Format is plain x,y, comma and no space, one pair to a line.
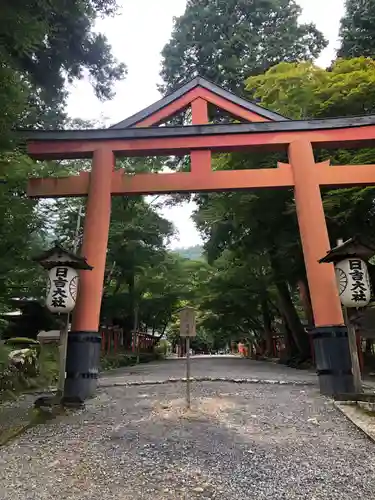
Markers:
141,135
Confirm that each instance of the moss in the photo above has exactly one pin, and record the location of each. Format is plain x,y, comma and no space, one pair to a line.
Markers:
33,417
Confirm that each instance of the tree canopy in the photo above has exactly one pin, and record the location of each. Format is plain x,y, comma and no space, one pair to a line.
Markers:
357,30
258,286
44,45
228,40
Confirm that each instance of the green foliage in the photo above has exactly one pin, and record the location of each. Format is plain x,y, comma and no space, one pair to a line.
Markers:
136,249
303,90
125,359
205,341
21,229
346,89
23,342
192,253
162,348
44,45
357,31
145,283
228,40
17,372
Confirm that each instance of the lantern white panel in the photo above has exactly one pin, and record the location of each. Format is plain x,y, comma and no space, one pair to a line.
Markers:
353,282
62,289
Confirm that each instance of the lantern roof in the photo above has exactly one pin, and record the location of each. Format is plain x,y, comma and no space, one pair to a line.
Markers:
353,247
59,256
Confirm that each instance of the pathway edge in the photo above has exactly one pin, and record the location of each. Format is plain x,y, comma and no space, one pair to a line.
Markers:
363,421
135,383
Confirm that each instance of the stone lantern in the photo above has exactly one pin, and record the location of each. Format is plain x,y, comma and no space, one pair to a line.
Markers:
62,287
350,260
336,351
63,278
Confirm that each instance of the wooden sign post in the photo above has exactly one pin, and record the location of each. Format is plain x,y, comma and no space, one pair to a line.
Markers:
187,330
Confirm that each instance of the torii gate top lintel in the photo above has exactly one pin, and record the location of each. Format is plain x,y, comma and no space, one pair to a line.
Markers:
349,132
201,87
142,135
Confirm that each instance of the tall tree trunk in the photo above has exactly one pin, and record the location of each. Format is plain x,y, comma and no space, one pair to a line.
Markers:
306,301
300,336
132,299
164,328
287,308
369,344
291,350
267,326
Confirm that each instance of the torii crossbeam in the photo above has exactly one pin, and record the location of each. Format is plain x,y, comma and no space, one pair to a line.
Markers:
259,129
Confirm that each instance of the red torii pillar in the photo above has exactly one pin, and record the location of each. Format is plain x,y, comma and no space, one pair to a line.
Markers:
323,288
314,236
84,341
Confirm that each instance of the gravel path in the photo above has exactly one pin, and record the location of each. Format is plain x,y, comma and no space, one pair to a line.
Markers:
14,414
238,442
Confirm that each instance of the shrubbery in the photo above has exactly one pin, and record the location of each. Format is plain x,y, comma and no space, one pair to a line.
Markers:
23,343
34,366
109,362
162,348
27,368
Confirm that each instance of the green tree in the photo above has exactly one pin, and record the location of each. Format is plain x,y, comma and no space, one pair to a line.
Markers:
228,40
304,90
137,241
346,89
44,45
22,229
262,235
264,223
357,31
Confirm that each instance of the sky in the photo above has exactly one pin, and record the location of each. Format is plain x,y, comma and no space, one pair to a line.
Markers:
138,34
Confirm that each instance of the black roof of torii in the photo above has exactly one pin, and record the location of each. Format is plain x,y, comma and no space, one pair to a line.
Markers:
187,87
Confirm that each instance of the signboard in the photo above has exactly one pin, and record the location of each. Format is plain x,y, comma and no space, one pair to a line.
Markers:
187,322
